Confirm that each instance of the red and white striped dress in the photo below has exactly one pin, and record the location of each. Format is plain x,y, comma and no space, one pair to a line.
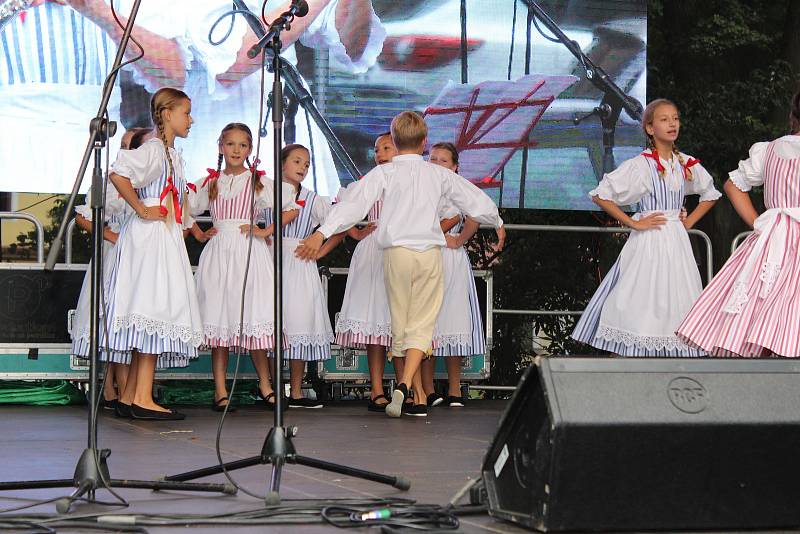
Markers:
752,307
364,318
221,269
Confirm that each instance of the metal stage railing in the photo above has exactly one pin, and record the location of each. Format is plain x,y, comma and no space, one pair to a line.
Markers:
595,230
490,312
39,230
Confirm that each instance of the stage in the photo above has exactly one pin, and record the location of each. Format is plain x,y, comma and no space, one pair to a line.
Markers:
438,454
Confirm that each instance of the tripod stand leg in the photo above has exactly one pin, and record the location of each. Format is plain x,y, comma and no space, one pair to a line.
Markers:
273,495
397,482
215,469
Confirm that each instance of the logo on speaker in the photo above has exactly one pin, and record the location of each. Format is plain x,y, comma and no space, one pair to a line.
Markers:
687,395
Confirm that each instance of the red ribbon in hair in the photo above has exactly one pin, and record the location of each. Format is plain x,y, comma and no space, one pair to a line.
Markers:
176,205
22,16
212,175
300,203
688,165
259,173
654,155
192,187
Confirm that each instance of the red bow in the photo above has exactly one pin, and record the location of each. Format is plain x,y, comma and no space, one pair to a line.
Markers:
259,173
688,165
22,16
487,180
212,175
300,203
192,187
654,155
176,205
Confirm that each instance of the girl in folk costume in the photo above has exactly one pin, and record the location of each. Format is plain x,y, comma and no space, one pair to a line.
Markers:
115,213
364,320
152,304
459,329
306,325
655,279
751,306
228,195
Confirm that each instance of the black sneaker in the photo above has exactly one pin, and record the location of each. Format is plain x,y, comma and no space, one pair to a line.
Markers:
415,410
455,402
434,399
303,402
399,396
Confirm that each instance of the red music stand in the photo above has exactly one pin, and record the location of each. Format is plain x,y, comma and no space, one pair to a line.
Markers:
489,121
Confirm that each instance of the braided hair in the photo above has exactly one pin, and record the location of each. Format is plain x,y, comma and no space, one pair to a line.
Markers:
164,99
213,189
286,152
647,120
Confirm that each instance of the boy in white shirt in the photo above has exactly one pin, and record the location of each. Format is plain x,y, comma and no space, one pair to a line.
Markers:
411,236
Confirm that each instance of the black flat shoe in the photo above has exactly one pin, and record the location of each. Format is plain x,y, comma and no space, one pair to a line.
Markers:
108,404
375,407
137,412
266,398
217,407
122,410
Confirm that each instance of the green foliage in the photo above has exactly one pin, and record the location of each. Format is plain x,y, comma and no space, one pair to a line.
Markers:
729,66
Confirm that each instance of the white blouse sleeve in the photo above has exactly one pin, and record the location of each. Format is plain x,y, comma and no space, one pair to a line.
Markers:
701,183
447,210
625,185
322,33
142,166
197,200
320,210
750,173
85,209
264,198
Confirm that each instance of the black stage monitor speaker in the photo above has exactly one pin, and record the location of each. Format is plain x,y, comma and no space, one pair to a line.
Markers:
624,444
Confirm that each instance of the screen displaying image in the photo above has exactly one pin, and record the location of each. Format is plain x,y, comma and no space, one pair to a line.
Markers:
356,62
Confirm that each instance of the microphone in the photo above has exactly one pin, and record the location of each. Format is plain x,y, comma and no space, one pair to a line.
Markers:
299,8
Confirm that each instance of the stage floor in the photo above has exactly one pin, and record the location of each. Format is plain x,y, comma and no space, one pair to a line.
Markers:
438,454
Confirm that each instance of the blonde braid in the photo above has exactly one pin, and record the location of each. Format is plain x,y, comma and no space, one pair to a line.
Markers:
159,121
687,171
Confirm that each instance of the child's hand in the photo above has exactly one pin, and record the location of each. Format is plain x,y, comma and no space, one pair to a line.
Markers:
501,239
308,249
150,213
452,241
255,230
649,222
110,236
208,234
368,229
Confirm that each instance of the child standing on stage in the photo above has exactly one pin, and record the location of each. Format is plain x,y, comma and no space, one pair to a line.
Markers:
364,320
306,324
655,280
410,234
115,212
152,305
459,328
227,194
750,308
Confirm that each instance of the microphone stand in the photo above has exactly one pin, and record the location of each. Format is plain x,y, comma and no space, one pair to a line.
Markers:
91,471
278,448
614,99
294,81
